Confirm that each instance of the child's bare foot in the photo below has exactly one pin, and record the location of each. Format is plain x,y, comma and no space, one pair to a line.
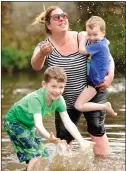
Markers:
109,109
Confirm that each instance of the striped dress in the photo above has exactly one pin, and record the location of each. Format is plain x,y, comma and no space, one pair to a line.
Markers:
75,66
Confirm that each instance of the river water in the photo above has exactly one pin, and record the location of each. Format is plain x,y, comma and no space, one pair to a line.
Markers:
17,85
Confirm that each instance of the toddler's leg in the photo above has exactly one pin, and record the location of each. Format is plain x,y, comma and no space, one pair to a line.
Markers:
86,95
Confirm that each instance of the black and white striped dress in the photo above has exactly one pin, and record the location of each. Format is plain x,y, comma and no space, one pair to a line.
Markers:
75,66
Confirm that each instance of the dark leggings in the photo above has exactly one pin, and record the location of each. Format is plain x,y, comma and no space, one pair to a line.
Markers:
95,119
61,132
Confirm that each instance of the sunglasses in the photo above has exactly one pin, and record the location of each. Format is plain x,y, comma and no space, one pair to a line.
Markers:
56,17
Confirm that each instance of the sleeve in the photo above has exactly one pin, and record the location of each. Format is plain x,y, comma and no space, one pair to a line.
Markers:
93,48
61,105
34,105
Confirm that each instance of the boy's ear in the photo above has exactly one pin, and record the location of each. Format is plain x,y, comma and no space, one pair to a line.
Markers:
43,84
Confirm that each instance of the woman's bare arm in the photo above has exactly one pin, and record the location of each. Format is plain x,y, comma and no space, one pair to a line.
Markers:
37,60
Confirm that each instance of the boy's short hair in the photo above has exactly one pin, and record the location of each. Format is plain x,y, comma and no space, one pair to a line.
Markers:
55,72
94,21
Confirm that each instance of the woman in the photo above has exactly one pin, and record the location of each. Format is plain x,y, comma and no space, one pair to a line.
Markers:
61,48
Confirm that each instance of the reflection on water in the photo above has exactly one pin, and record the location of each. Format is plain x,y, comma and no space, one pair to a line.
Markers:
78,161
16,86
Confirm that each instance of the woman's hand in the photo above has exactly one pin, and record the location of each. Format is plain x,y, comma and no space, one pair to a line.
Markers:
107,82
109,78
46,49
39,55
53,139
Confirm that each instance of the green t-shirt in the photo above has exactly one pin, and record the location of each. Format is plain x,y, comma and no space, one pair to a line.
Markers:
35,102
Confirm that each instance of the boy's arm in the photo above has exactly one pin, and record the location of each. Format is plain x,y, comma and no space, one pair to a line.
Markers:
72,129
41,129
109,78
82,42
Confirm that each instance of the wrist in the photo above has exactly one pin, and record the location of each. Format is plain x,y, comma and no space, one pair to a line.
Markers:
40,51
81,141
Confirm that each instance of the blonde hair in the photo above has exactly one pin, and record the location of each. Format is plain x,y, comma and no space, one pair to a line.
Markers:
44,18
94,21
55,72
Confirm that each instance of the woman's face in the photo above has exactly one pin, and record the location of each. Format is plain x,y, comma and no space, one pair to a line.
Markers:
58,21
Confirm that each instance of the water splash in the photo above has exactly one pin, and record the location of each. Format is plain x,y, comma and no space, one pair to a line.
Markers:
63,160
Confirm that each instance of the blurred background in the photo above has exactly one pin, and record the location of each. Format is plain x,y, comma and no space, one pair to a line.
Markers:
19,39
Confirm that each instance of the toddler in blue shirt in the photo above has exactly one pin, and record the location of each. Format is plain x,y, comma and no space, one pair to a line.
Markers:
99,64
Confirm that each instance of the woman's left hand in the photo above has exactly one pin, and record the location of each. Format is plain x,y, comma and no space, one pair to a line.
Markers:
107,82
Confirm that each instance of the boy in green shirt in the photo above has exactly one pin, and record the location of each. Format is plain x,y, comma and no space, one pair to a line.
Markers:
28,113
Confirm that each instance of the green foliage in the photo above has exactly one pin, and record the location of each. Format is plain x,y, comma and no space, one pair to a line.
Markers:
114,16
13,58
18,45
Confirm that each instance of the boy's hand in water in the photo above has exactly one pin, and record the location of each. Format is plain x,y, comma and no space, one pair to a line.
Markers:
86,144
53,139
